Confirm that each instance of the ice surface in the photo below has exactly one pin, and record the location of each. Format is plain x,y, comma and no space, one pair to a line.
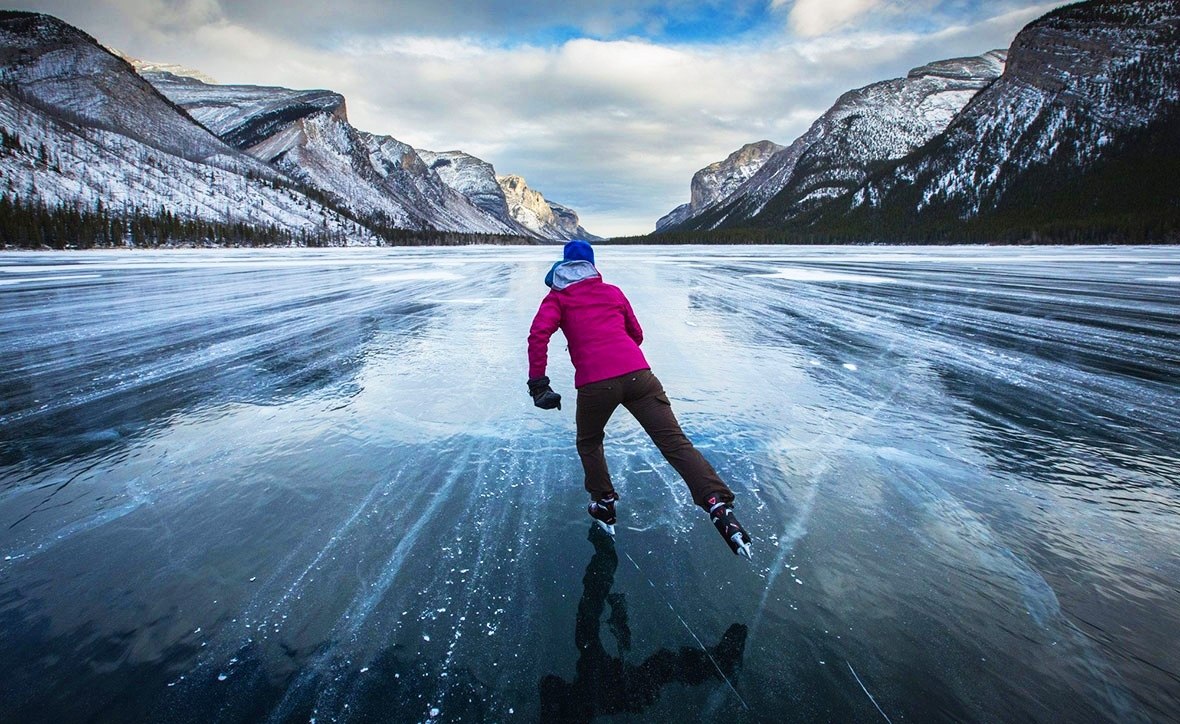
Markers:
56,279
818,275
295,485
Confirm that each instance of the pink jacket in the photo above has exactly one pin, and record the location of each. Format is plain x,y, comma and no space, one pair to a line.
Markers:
599,325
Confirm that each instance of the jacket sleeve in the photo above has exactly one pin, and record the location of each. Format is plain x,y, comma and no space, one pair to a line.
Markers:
546,322
631,321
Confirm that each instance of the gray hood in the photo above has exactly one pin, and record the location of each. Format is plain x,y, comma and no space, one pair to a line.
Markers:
570,272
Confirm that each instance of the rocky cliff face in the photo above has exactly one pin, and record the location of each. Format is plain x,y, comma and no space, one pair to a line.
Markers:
1077,79
567,220
717,181
307,136
864,128
547,219
472,177
1082,125
84,131
143,66
65,73
507,198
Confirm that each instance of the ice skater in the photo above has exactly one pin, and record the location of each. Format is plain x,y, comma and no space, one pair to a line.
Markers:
610,370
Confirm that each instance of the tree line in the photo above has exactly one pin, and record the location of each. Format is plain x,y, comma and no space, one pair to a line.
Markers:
36,225
31,223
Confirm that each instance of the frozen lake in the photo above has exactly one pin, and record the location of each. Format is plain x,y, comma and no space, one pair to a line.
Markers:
291,485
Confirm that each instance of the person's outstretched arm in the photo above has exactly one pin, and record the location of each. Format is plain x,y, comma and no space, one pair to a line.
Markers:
546,322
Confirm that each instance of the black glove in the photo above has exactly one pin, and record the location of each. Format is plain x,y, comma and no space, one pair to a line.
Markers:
543,395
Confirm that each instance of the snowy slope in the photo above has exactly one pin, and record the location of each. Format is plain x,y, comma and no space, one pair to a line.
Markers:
63,72
474,178
91,130
531,210
241,115
507,198
718,181
879,122
307,136
1078,81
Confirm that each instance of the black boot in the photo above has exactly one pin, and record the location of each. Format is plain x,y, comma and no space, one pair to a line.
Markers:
728,526
603,511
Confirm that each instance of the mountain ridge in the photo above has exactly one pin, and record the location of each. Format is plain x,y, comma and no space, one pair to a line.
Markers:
91,131
1089,86
84,133
1077,140
865,126
253,117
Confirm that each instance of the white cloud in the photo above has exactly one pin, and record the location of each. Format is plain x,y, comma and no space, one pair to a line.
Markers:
415,46
165,15
809,18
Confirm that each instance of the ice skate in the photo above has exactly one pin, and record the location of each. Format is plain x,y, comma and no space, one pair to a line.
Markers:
728,526
603,512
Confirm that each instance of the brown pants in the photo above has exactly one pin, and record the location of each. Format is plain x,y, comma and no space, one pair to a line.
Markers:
643,396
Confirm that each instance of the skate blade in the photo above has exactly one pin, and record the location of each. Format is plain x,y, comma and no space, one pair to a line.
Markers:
610,529
740,548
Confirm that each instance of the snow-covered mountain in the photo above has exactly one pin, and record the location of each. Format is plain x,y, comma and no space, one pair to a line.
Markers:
717,181
1082,128
547,219
507,198
1071,136
83,130
306,135
473,177
879,122
88,129
143,66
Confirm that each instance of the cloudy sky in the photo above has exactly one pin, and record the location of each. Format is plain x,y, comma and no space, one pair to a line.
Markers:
606,106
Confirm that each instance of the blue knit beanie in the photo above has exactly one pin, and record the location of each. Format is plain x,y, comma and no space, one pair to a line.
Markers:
578,250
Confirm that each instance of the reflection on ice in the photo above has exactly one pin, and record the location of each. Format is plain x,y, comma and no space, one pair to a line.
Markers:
605,682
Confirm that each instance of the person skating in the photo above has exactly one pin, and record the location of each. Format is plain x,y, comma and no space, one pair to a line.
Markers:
604,336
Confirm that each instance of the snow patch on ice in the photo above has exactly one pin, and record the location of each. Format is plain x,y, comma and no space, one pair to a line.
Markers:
66,279
473,301
818,275
417,276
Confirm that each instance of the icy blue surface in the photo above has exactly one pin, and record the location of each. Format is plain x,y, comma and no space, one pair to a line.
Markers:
284,485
